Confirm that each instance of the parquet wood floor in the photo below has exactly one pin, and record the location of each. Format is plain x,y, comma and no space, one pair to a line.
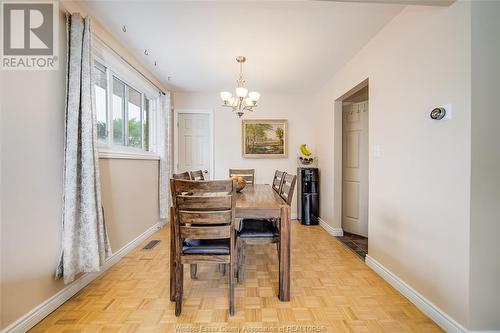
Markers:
332,291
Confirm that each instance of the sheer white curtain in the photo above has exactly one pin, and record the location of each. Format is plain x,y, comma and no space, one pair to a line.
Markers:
165,152
85,243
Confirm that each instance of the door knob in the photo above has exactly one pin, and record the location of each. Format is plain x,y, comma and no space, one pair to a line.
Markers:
205,171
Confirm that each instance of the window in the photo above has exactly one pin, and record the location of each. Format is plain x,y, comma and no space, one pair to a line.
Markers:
101,87
126,116
118,112
145,124
134,119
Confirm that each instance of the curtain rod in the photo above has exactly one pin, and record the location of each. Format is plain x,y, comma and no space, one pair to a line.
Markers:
121,57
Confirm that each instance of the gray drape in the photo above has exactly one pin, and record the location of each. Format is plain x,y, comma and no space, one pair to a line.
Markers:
85,243
164,151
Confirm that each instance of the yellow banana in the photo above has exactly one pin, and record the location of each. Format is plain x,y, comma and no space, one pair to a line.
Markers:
304,150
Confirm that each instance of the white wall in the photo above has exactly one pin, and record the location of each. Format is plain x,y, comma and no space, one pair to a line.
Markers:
296,108
32,151
485,186
32,135
420,186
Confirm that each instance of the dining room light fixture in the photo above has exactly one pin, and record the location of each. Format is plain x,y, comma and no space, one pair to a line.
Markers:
243,100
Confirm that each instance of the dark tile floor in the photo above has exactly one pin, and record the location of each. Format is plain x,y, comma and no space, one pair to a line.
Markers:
358,244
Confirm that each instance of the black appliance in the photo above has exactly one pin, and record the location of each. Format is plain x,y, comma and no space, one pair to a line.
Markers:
308,195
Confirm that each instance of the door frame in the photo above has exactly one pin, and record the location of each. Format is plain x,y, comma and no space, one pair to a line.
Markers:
337,152
210,113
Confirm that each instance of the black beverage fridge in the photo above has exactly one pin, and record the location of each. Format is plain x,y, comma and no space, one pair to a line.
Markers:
308,195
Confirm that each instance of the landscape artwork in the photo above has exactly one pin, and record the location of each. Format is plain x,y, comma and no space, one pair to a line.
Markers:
264,138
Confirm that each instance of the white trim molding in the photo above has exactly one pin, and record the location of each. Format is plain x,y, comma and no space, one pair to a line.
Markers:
41,311
335,232
436,314
127,155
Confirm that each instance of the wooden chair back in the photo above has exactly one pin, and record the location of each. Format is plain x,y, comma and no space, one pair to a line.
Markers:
287,187
183,175
202,210
197,175
247,174
278,180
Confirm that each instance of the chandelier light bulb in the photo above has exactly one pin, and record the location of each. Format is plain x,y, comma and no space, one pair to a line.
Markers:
241,92
254,96
225,96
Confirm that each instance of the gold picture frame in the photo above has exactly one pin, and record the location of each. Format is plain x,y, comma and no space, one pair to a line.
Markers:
264,138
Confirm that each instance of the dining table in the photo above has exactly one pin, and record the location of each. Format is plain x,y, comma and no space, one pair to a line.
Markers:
260,201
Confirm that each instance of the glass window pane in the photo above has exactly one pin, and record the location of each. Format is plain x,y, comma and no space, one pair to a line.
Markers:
118,112
100,89
134,118
145,122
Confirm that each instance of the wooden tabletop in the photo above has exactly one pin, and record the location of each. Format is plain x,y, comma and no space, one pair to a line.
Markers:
258,201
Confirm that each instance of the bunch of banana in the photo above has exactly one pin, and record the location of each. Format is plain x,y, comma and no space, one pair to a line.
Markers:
304,150
305,156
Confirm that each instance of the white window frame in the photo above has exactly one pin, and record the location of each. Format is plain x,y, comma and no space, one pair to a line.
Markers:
115,67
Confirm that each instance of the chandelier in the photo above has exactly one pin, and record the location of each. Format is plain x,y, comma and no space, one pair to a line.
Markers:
244,100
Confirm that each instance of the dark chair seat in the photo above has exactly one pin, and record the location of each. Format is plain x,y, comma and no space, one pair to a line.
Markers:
252,228
206,246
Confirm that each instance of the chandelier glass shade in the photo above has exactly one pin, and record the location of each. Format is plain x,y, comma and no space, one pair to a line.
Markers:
243,100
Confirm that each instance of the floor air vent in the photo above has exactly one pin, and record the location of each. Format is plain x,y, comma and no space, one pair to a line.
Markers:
151,244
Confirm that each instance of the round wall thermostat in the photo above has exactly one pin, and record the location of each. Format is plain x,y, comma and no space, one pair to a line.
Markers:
438,113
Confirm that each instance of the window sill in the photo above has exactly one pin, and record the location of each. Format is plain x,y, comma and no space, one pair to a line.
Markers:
128,155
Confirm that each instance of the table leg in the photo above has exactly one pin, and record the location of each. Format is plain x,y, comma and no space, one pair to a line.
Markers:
172,255
284,278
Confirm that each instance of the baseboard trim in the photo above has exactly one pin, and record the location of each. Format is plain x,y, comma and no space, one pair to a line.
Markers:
34,316
436,314
331,230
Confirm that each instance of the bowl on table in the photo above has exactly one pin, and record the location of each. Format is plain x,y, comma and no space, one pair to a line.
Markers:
306,160
240,183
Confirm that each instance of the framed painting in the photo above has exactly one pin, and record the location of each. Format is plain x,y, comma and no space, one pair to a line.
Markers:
264,138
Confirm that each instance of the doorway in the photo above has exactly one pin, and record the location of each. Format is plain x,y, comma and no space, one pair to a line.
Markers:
193,141
354,179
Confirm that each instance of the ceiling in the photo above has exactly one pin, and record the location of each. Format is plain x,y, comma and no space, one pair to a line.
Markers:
291,46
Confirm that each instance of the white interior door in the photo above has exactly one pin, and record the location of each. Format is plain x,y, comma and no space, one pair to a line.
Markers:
194,143
355,168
